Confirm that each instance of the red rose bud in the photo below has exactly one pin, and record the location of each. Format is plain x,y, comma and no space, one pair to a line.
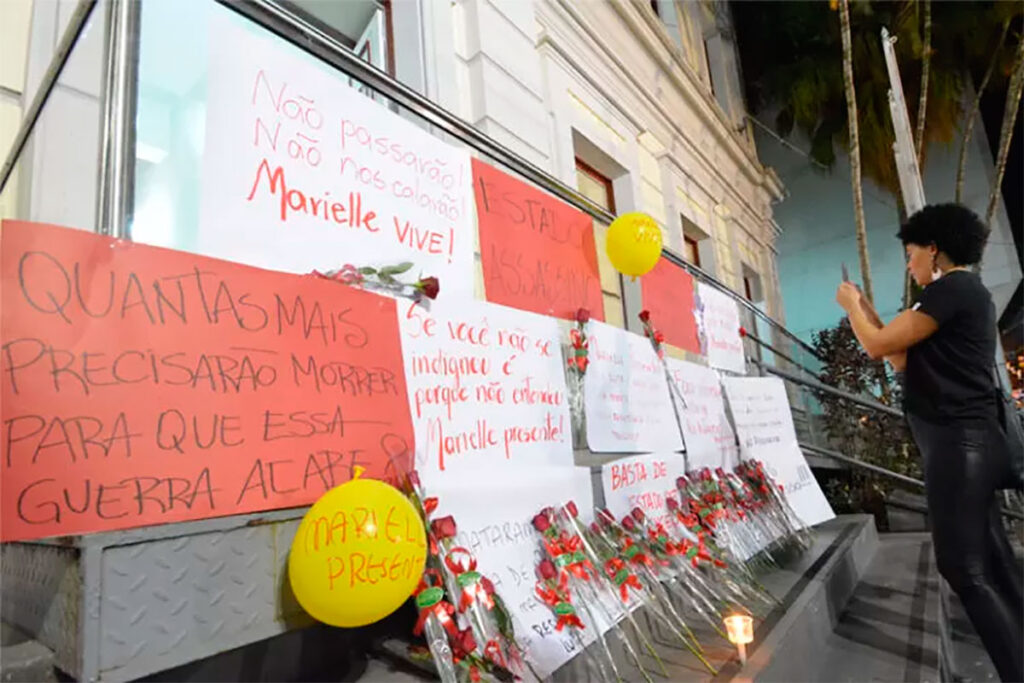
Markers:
672,504
605,517
595,528
546,569
444,527
638,514
582,315
629,524
429,286
464,642
743,332
659,337
487,585
719,472
645,315
571,507
541,522
682,482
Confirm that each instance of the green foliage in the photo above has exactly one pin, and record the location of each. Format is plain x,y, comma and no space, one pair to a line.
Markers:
868,435
792,62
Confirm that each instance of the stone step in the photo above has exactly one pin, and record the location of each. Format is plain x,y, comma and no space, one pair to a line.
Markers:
24,659
889,630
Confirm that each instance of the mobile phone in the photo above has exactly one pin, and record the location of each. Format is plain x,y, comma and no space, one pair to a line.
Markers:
846,274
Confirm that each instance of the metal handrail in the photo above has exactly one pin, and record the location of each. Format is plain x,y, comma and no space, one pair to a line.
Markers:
835,455
817,385
67,43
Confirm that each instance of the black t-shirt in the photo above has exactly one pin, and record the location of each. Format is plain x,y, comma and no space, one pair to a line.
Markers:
949,374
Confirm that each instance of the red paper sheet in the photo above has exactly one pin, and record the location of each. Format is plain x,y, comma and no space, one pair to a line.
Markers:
668,294
143,385
538,252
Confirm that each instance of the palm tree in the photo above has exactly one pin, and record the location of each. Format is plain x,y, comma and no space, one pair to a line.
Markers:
1006,134
926,61
972,115
851,117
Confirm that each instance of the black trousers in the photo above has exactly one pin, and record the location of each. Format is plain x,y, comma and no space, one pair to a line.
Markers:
964,466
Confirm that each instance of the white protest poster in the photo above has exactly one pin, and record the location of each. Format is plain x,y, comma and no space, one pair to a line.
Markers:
645,482
710,441
303,172
626,395
486,391
494,516
720,328
764,424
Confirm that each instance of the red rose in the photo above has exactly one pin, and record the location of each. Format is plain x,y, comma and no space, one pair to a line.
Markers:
659,337
487,585
430,504
743,332
464,643
582,315
645,316
444,527
638,515
628,523
719,472
595,528
682,482
605,517
541,522
571,507
429,286
672,504
546,569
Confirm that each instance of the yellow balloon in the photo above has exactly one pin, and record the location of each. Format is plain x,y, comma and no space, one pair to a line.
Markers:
634,243
358,554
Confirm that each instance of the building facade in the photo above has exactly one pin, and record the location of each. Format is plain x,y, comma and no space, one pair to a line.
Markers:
636,104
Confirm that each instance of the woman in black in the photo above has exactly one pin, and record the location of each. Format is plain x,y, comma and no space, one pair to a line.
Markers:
946,342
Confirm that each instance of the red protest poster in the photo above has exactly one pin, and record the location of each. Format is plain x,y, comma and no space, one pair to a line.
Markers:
143,385
538,252
668,294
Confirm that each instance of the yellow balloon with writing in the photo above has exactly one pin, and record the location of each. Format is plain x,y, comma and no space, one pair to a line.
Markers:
634,243
358,554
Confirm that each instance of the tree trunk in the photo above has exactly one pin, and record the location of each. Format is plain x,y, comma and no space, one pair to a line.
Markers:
972,115
926,65
851,115
1006,135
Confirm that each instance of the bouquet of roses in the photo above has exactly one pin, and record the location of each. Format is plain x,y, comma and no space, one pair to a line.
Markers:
692,588
656,560
702,551
553,590
488,644
753,472
575,561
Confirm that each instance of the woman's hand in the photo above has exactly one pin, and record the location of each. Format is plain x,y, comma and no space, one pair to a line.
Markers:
848,296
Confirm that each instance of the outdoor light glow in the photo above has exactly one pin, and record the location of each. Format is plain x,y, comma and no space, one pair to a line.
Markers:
740,628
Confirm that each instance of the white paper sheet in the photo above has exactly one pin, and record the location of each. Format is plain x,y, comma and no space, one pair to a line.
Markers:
722,343
710,441
764,424
627,402
302,172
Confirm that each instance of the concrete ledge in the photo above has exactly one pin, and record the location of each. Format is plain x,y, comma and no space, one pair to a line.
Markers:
785,646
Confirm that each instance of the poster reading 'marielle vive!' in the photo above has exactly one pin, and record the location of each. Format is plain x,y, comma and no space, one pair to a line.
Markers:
764,424
302,172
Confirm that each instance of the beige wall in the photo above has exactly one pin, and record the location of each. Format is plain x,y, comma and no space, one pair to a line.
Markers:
15,21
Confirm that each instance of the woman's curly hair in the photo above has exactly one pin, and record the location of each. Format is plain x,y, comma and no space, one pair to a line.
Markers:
955,230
